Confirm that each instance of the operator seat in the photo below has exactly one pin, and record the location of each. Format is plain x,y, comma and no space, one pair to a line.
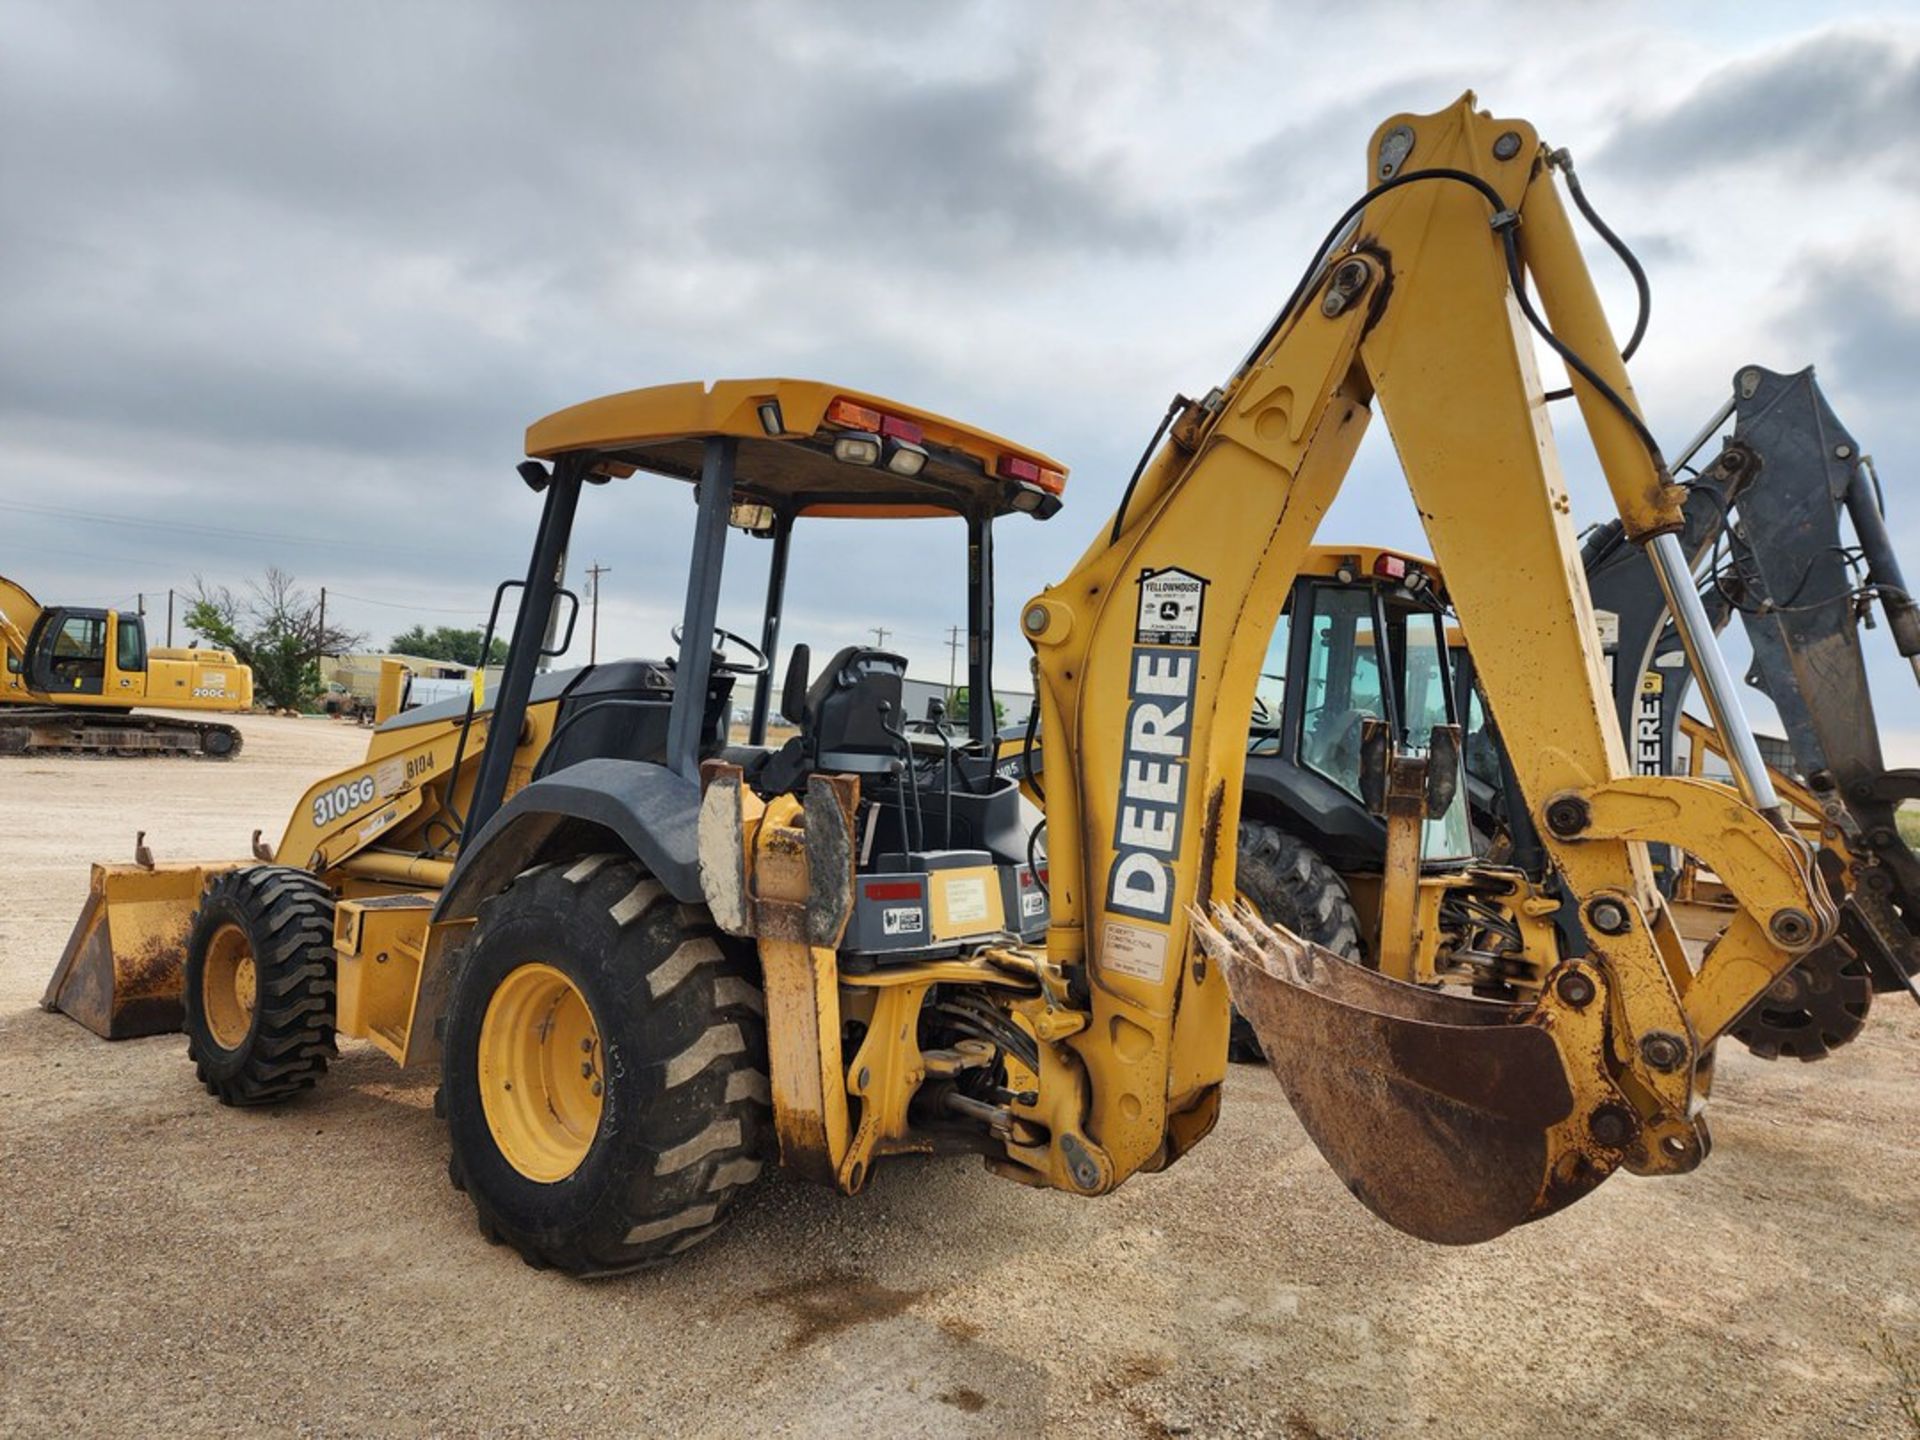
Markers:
843,716
849,708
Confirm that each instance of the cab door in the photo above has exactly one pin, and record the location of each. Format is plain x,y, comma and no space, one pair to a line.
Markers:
70,657
127,649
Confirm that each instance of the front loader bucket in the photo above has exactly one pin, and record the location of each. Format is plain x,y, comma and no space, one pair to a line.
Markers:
120,973
1434,1109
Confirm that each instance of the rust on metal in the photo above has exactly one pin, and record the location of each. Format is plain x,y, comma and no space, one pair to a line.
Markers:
120,973
1434,1109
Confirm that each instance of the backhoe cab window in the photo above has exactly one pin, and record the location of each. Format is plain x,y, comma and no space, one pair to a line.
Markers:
1450,836
1270,695
1343,684
1345,689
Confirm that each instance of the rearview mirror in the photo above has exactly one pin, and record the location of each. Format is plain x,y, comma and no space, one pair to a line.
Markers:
750,517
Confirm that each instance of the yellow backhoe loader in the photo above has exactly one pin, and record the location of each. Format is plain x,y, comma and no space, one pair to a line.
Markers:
74,675
645,960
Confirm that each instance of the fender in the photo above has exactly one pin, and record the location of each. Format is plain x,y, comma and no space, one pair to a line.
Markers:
1316,810
651,810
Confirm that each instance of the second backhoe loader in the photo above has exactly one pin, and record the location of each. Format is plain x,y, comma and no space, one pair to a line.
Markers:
645,959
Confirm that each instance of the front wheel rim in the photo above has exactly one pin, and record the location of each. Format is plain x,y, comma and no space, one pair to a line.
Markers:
541,1086
229,987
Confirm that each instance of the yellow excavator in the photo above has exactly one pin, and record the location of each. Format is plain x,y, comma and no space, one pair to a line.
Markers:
74,675
646,960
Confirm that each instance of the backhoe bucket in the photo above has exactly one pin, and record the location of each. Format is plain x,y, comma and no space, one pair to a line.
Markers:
1434,1109
120,975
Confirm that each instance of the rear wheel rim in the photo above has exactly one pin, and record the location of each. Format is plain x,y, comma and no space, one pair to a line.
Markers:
228,987
539,1072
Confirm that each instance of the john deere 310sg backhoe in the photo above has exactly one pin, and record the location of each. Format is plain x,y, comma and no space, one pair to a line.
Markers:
645,959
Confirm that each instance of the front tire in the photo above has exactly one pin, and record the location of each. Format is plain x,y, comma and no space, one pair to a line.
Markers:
259,984
604,1069
1288,882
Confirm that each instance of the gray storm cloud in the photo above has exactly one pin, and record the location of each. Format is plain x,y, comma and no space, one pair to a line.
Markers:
303,273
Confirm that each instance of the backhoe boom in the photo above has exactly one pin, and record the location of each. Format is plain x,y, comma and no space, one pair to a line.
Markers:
1419,312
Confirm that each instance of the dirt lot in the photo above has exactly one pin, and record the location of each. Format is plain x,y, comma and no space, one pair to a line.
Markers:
166,1265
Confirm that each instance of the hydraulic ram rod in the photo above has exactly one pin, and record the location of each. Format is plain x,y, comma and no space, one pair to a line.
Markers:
1710,668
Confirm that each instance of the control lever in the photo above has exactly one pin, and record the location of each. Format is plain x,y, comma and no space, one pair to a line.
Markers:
936,713
911,836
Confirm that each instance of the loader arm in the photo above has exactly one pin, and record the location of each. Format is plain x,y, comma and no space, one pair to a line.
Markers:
1452,1119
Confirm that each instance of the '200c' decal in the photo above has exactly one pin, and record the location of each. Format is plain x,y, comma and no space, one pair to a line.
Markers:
1153,782
349,795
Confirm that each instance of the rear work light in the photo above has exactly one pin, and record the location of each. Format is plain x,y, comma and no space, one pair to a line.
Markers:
855,448
904,458
1032,500
1392,567
877,438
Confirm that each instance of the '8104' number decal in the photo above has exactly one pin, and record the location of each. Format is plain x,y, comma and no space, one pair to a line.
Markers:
342,799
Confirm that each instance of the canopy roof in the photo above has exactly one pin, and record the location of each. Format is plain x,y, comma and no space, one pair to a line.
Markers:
786,431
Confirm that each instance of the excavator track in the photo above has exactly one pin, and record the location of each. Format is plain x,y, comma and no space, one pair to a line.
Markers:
56,730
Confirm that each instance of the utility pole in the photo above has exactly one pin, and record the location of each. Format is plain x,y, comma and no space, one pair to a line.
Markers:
320,634
954,642
596,570
880,633
169,617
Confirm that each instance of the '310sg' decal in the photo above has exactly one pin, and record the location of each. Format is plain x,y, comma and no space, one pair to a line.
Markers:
342,799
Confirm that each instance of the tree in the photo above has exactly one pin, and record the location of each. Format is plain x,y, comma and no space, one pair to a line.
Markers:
275,629
447,642
960,711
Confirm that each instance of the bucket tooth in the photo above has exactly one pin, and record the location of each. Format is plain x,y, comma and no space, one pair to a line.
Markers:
1437,1111
120,975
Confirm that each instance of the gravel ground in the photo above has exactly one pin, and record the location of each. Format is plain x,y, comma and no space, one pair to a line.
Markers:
170,1266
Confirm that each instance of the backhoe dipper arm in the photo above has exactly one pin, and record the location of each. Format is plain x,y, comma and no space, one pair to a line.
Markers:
1451,1118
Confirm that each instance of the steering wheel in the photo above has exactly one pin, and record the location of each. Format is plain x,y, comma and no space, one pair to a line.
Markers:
755,664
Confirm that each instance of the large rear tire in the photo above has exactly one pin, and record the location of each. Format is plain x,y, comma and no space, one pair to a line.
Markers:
1288,882
604,1069
259,984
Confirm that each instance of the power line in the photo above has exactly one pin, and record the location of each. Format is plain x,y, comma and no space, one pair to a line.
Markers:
405,605
185,527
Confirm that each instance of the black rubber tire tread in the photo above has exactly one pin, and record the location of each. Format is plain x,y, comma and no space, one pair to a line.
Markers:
287,916
663,984
1288,882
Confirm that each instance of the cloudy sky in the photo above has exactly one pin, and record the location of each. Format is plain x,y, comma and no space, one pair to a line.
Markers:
283,284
